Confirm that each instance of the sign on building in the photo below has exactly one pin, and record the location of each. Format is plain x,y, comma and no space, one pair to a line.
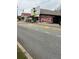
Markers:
35,11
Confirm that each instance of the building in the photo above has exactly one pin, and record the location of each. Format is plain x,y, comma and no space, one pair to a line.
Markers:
25,16
49,16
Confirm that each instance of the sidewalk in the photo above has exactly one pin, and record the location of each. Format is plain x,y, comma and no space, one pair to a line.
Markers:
42,24
50,25
45,26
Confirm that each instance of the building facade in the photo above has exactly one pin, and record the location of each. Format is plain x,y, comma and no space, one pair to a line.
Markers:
50,16
25,16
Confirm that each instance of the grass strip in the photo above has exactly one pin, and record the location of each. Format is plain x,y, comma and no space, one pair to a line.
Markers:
20,54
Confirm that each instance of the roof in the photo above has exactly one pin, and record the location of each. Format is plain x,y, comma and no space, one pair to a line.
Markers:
45,11
26,14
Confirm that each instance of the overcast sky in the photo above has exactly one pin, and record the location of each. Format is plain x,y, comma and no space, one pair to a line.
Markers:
27,5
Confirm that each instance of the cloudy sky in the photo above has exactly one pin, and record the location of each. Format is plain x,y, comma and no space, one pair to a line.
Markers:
27,5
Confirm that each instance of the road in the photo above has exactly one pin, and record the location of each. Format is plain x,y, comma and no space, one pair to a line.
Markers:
41,45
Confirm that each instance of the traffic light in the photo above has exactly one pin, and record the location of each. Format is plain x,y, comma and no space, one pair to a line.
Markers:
34,14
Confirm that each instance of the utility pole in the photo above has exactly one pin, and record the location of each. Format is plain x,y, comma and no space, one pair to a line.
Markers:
17,10
23,11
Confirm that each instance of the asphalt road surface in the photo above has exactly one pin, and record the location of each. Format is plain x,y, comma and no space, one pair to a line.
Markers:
40,45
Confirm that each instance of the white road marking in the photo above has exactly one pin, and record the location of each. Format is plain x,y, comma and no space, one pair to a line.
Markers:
24,51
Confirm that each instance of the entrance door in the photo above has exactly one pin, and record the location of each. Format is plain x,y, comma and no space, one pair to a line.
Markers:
57,19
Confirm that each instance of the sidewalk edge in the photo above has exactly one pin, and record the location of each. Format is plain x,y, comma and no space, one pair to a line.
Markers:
24,51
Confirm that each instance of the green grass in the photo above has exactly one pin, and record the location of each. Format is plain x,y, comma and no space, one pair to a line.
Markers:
20,54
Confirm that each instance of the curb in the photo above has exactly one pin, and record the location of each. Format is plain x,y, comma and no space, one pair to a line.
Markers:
56,26
24,51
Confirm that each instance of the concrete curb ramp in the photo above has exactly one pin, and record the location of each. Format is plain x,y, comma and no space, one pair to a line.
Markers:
24,51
